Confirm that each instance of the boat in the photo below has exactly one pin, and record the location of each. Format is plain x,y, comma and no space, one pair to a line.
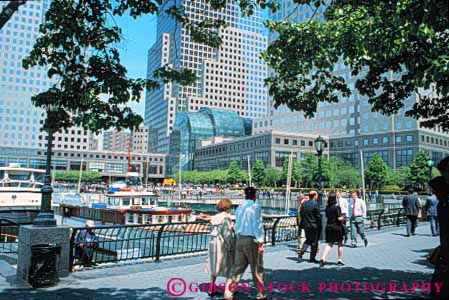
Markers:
20,193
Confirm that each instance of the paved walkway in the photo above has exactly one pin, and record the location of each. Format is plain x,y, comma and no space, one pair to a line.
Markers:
391,261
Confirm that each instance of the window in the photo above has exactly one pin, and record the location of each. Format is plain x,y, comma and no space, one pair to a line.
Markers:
399,139
295,142
409,138
285,141
278,140
385,140
365,142
375,141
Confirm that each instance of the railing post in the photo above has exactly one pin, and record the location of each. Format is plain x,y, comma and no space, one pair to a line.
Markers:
72,245
273,232
158,242
379,218
398,222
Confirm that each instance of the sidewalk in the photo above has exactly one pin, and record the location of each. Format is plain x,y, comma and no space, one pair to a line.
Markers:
389,257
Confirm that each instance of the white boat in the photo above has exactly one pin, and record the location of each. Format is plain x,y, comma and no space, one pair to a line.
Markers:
20,193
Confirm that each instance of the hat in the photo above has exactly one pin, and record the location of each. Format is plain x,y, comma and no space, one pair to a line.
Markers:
90,223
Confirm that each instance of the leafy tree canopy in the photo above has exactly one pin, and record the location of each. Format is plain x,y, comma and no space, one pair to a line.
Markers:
395,48
419,171
376,172
258,176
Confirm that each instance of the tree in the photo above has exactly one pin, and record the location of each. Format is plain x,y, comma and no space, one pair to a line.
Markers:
235,175
376,172
73,176
399,177
273,176
258,176
419,171
8,10
393,48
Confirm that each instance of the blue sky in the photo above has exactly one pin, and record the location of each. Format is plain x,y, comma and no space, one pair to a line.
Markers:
138,36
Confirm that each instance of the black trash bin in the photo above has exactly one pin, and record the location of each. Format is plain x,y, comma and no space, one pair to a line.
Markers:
43,270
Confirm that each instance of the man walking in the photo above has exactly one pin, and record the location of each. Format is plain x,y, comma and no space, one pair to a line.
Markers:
249,246
310,221
357,214
411,206
431,209
301,234
343,203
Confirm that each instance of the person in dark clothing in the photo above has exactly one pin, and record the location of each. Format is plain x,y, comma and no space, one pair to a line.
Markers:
431,209
311,223
440,186
334,229
411,206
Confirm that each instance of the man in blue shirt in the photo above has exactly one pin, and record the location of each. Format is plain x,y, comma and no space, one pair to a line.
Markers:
249,247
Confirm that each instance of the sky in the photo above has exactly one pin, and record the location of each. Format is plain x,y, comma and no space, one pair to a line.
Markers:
138,36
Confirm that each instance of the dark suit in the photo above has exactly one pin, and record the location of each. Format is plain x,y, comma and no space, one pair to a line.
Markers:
310,217
411,206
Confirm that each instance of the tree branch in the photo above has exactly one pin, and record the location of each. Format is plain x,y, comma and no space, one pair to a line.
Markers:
9,10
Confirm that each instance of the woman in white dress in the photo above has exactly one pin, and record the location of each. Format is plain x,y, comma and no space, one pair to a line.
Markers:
221,253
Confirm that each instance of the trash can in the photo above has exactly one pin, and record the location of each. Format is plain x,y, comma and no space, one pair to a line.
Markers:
43,270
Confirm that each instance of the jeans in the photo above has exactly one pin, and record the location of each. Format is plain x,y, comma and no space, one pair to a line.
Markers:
411,224
357,226
434,225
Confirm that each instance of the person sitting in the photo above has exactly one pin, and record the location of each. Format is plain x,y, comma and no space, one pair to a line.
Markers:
86,241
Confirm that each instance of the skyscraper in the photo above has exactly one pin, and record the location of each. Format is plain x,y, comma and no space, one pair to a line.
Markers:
351,124
230,77
20,120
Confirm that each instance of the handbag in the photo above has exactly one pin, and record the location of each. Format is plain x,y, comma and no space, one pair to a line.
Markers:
433,256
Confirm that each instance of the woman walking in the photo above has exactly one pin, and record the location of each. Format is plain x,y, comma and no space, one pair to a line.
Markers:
334,229
221,244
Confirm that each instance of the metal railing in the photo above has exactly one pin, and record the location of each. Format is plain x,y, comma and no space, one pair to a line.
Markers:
9,236
153,241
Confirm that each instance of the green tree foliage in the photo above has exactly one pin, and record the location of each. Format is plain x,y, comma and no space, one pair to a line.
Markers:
258,175
376,172
235,175
399,177
73,176
394,48
419,171
273,176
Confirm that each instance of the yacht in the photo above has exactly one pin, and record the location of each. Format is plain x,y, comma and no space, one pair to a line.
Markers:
20,193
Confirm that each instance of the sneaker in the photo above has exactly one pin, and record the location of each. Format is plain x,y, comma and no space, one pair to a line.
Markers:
366,242
340,263
261,296
353,246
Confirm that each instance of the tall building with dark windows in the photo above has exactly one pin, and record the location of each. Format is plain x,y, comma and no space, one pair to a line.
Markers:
230,78
351,125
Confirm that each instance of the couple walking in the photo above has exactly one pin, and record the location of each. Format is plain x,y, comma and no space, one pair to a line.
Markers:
336,211
233,247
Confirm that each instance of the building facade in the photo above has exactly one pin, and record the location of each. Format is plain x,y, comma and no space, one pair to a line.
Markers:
270,147
231,77
111,165
121,141
353,128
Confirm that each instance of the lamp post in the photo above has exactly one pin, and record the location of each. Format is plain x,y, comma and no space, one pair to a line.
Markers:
320,144
45,216
430,165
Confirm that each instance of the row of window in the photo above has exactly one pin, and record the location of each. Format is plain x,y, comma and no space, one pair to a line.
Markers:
434,140
294,142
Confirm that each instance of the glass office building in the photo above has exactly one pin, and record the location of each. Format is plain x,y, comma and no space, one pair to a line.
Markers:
192,128
350,123
230,78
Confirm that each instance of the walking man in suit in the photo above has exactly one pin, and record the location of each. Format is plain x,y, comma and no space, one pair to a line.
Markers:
357,215
411,206
310,221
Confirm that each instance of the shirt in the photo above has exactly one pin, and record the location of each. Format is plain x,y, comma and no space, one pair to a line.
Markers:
249,220
343,203
359,209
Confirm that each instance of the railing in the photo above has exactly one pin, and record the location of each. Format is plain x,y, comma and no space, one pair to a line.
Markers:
120,243
9,232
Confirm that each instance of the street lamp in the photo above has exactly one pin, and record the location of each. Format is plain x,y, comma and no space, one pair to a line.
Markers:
320,144
430,165
45,216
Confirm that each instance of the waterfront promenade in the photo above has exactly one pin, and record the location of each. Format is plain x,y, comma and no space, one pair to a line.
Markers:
389,257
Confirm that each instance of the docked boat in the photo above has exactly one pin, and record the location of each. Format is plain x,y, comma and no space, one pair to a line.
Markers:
20,193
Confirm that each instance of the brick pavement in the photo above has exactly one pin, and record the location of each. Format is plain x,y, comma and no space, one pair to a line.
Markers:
389,257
